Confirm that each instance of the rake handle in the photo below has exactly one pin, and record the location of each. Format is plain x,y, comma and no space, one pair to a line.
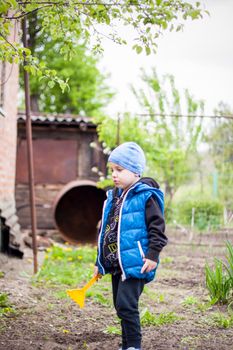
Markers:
91,282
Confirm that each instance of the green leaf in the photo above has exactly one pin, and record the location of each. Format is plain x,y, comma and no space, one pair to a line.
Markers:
138,49
13,3
51,84
148,50
27,51
4,7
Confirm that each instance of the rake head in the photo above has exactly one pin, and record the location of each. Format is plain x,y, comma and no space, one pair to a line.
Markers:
78,295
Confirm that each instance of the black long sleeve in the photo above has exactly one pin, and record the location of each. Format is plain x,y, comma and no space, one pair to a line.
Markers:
156,229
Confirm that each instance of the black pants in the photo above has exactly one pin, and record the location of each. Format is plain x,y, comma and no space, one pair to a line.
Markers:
125,298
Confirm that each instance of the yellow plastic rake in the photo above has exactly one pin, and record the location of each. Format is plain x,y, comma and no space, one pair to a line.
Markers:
78,295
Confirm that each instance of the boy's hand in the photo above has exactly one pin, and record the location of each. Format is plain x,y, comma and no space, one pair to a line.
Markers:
148,266
96,272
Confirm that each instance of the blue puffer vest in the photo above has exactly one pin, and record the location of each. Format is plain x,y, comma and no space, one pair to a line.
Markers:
132,231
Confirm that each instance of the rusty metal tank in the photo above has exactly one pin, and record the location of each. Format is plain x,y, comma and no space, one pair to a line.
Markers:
78,210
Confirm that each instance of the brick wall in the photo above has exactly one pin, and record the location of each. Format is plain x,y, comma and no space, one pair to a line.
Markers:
10,236
8,129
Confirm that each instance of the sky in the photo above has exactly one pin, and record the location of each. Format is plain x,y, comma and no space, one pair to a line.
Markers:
200,58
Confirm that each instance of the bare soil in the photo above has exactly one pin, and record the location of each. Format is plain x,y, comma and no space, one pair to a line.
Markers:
44,321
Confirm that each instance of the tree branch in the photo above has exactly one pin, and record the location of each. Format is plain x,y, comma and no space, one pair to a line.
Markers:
25,13
75,3
8,42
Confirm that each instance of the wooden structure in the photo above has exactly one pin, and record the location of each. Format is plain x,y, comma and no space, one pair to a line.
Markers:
62,156
10,233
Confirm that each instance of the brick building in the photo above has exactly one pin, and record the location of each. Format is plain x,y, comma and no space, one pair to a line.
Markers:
9,229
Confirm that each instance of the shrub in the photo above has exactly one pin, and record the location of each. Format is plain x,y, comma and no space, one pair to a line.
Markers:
208,213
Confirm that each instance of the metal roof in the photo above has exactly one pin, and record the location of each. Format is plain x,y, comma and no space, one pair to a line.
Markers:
56,118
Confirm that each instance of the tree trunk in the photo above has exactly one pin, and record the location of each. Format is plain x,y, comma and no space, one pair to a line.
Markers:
34,103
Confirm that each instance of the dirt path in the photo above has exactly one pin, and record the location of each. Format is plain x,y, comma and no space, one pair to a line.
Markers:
44,321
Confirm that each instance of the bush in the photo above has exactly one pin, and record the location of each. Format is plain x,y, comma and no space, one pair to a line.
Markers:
208,213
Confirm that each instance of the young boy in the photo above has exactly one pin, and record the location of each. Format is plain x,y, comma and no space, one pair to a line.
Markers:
131,236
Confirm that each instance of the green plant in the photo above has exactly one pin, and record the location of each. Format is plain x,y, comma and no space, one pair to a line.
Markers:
5,305
148,319
157,297
65,265
112,330
70,266
190,300
208,213
167,260
3,300
229,265
189,340
100,298
222,320
204,306
75,21
218,282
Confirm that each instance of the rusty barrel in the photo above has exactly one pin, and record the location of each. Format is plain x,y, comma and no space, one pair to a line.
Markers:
77,211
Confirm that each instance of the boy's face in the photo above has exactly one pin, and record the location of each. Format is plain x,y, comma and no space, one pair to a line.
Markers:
122,177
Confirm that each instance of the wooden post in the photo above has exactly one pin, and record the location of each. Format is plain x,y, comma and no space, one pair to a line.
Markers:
192,224
30,151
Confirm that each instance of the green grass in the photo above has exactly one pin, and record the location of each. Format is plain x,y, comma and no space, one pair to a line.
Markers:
204,306
5,305
166,260
67,267
221,320
149,319
155,296
189,301
112,330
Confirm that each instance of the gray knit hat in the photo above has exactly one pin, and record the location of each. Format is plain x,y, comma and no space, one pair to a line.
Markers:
130,156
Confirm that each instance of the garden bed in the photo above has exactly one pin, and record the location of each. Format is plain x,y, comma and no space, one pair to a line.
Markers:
175,309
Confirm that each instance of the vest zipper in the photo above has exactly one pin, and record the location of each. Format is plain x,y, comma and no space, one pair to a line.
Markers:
100,234
123,277
141,250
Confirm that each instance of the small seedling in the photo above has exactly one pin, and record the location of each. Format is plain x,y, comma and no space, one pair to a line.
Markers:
190,300
167,260
112,330
203,307
158,297
222,320
149,319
